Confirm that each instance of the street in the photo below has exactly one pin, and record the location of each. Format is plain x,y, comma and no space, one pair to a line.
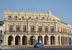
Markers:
32,48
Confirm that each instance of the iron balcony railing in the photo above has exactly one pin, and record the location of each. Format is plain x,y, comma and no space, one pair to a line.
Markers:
32,32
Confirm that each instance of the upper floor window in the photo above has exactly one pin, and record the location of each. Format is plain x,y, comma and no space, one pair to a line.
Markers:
40,29
29,17
22,17
10,28
24,28
16,17
32,28
17,28
9,17
46,28
42,17
52,29
53,20
36,17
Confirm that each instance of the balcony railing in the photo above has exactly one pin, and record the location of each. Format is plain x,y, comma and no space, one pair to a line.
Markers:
34,32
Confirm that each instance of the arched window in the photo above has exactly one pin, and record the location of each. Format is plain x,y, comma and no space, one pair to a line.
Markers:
16,17
9,17
22,17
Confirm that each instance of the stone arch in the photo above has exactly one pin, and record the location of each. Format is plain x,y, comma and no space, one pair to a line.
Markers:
40,39
10,39
24,40
52,38
17,40
46,40
32,39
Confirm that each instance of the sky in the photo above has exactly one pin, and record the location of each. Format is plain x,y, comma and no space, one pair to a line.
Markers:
59,8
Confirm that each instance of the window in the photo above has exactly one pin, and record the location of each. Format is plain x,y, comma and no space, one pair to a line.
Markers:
15,17
17,28
42,17
36,17
22,17
46,28
10,28
32,28
52,29
9,17
53,20
24,28
29,17
40,29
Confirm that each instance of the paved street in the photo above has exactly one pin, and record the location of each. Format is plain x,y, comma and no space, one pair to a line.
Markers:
45,48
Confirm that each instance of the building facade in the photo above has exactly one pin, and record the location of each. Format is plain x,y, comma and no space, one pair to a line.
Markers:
2,30
23,28
70,34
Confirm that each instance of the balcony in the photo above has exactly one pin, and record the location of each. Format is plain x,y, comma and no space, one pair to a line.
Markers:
35,32
14,32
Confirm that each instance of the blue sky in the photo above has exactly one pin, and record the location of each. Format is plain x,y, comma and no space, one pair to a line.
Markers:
59,8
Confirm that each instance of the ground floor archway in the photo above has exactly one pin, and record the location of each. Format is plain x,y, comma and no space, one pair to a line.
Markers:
32,40
46,40
17,40
24,40
52,38
10,39
40,39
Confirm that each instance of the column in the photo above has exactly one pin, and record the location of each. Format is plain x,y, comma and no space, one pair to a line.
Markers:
6,39
60,40
49,39
20,40
28,39
13,43
56,40
36,38
43,39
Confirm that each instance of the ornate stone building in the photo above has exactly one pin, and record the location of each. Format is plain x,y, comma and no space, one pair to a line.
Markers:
23,28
